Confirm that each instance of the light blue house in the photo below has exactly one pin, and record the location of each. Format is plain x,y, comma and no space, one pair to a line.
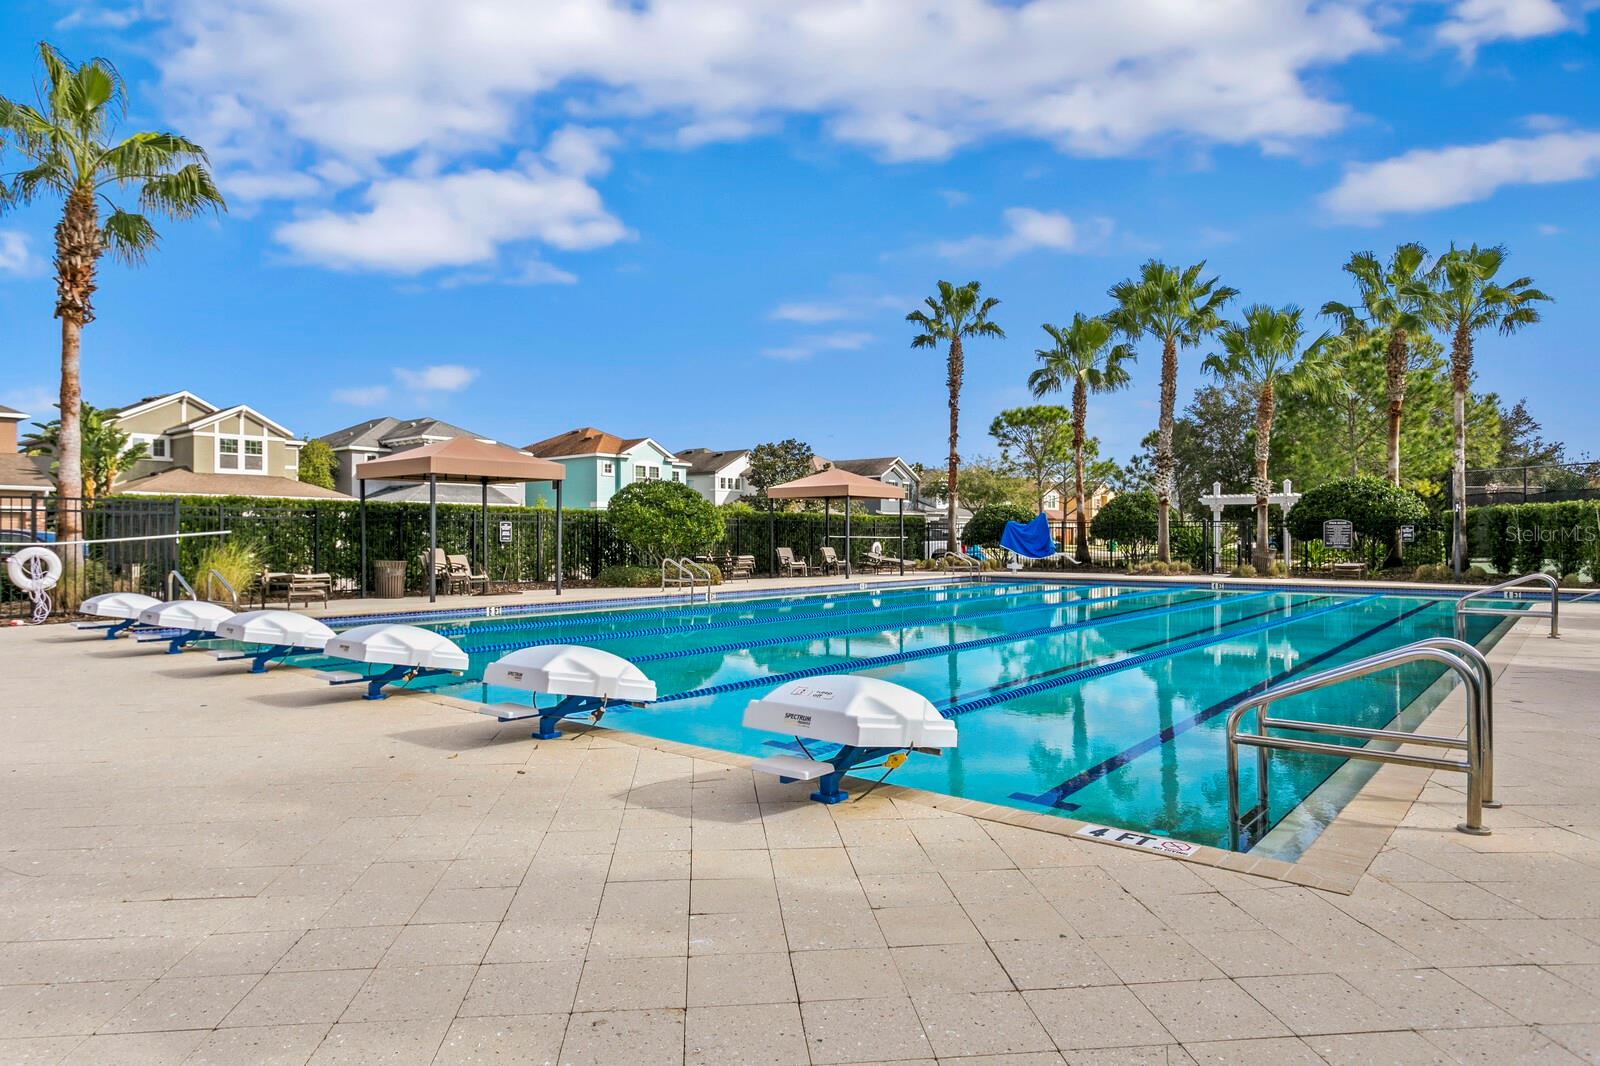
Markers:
600,464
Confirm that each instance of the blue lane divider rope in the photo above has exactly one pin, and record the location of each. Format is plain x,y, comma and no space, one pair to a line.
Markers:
1056,797
873,662
713,609
878,626
1133,661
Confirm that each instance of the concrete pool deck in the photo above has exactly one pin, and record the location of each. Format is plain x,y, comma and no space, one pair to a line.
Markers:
204,866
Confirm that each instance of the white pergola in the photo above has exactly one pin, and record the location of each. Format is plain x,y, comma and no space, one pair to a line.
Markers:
1216,500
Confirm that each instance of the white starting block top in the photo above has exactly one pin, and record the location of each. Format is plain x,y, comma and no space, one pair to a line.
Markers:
196,615
571,670
284,628
123,605
865,712
397,645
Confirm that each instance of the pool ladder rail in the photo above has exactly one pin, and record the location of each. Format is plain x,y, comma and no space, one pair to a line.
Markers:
1554,613
1246,827
685,571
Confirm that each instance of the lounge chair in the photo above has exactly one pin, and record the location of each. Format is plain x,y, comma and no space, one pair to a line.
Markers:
741,566
789,566
461,574
831,563
290,587
440,565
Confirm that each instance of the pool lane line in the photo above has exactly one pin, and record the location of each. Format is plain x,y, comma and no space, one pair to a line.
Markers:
1056,797
884,627
1210,627
879,626
732,606
1145,658
890,659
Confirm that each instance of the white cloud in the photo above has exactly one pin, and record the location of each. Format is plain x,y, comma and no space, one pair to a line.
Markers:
953,197
851,303
1473,23
362,395
1431,178
446,377
806,347
1027,230
15,258
1547,229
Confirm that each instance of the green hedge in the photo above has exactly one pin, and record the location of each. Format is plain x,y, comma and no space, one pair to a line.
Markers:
1522,538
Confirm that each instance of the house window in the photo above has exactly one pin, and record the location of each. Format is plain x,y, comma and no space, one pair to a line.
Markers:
640,473
655,473
722,482
227,453
159,448
607,469
738,482
675,475
255,457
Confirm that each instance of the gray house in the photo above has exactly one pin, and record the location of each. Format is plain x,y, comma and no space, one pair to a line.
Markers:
378,437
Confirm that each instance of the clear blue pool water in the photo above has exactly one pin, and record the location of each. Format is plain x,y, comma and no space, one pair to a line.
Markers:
1100,702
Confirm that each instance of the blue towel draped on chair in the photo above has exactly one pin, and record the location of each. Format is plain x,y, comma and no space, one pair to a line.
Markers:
1031,540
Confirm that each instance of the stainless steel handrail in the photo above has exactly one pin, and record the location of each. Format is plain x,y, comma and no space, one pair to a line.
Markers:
173,575
1476,743
1526,579
705,573
1476,659
214,575
686,570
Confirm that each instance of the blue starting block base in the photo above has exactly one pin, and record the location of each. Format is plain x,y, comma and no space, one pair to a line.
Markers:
591,707
375,682
260,659
789,769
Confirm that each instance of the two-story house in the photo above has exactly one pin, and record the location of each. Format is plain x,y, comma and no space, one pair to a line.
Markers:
377,437
720,477
889,469
196,448
601,464
24,479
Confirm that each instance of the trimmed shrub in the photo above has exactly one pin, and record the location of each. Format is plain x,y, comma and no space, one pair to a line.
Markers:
1127,518
1373,507
989,521
1526,538
629,577
1244,570
664,518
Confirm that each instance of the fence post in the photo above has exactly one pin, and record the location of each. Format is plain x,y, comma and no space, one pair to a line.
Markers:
594,537
316,540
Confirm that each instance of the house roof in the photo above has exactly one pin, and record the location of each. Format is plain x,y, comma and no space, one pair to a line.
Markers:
585,440
836,484
461,459
239,408
382,432
25,473
867,467
10,413
181,481
149,401
706,461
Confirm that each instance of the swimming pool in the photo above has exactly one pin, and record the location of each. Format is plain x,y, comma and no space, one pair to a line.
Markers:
1103,702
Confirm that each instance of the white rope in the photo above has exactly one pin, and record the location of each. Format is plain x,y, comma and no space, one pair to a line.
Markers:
153,536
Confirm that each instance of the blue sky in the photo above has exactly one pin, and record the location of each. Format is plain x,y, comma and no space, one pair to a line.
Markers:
706,225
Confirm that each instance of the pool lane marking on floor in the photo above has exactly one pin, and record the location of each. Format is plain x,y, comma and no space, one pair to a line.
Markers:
1210,627
1119,665
687,627
872,662
1055,797
703,609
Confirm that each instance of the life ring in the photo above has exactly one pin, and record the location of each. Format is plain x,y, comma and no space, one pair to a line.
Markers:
25,576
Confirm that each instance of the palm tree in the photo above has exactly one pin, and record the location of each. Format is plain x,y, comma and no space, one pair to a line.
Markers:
106,450
1470,300
1181,310
955,315
1082,354
1264,352
68,143
1396,300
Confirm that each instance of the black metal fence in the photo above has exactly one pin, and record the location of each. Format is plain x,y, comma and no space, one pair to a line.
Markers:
1549,483
136,542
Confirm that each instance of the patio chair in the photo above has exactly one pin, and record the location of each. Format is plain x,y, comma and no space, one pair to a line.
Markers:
440,565
741,566
789,566
289,587
831,563
461,574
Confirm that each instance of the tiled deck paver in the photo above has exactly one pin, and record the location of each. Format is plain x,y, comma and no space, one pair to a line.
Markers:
201,866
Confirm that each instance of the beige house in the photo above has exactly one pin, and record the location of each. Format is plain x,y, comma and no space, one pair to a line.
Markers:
197,448
24,480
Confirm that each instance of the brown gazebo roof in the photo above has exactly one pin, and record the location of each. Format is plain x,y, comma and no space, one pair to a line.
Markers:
836,483
461,459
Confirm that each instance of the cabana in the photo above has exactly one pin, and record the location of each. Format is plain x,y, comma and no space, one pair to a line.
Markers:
834,484
459,460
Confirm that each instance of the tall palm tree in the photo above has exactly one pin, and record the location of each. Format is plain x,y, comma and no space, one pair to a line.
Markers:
1264,351
1470,300
1395,298
952,317
1083,354
1180,309
68,143
107,451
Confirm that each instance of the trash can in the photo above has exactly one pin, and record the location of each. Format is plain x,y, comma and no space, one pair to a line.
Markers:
389,577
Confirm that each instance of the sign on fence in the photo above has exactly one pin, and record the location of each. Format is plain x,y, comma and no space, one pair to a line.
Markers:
1408,534
505,532
1338,533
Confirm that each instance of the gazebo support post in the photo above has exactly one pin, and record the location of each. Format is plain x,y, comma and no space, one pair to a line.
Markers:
772,539
847,541
363,538
827,507
902,551
558,539
485,534
433,535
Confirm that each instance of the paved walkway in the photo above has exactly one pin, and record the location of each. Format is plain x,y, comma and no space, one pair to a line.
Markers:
200,866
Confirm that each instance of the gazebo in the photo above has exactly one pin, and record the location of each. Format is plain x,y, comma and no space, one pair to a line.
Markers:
459,460
834,484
